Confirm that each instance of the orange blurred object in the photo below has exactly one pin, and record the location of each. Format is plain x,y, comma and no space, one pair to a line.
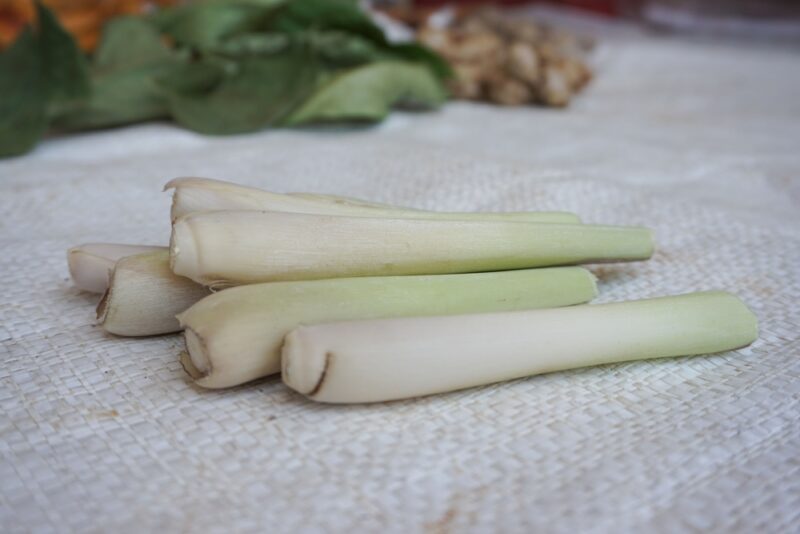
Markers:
84,19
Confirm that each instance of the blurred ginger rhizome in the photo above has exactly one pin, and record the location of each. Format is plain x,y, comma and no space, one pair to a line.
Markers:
510,61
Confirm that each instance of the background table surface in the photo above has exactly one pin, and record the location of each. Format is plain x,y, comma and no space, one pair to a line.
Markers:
700,141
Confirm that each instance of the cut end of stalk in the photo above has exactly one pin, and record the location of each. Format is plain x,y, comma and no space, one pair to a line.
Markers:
172,184
174,210
180,185
304,374
205,194
186,362
193,181
182,258
88,270
102,306
71,261
195,360
90,263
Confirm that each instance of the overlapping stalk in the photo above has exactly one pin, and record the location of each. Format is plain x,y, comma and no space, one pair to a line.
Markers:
90,264
378,360
204,194
226,248
144,296
235,336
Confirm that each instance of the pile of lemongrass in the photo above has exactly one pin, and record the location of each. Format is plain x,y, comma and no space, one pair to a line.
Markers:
354,301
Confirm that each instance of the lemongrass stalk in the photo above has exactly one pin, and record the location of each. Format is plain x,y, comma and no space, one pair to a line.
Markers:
351,201
225,248
379,360
235,336
144,296
204,194
90,263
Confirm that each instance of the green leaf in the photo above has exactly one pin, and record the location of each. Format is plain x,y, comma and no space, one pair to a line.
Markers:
259,93
38,71
347,49
298,16
65,68
368,93
197,78
231,66
206,25
348,36
129,42
125,88
117,99
343,49
253,44
423,54
23,96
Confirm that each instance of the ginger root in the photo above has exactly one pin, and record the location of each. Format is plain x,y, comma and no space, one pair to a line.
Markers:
510,61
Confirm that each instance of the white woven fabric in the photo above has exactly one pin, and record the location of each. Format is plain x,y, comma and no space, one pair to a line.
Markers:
699,141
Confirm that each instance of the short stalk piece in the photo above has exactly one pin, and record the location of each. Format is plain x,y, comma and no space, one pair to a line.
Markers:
144,296
90,264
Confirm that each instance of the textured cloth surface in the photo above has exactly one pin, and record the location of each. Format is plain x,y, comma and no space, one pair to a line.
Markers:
698,141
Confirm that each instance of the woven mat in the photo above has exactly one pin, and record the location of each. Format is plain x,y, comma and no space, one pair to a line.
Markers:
698,141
